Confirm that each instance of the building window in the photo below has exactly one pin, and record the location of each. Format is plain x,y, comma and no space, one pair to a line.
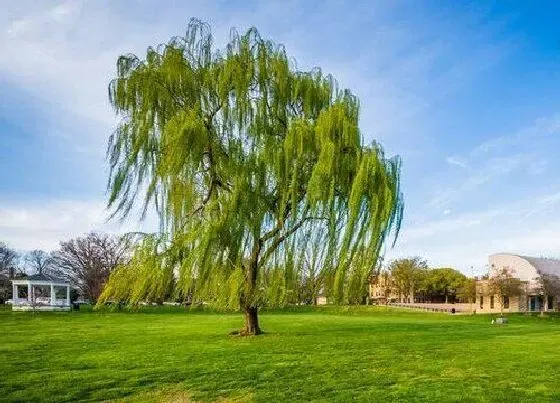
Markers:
550,301
506,302
481,302
491,302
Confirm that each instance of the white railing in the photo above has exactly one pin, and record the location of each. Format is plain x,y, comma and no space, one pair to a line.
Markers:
20,301
41,301
435,307
61,301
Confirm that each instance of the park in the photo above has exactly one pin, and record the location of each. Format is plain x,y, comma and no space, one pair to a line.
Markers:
269,211
325,353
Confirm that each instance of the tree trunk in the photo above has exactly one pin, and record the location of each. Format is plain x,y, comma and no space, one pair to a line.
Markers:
248,302
251,321
501,306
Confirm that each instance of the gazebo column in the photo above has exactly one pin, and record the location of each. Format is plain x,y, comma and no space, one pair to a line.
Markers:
53,295
68,295
29,291
14,294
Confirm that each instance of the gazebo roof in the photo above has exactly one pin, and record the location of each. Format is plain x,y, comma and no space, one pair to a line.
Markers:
41,278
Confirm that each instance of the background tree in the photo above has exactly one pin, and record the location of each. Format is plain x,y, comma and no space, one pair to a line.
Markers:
9,260
242,155
503,283
408,275
444,282
468,291
39,262
6,289
548,284
88,261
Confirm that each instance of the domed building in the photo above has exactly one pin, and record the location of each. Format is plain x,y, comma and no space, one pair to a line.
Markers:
537,288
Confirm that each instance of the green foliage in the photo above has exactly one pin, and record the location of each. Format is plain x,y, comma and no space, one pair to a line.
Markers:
444,281
243,157
408,275
467,290
413,277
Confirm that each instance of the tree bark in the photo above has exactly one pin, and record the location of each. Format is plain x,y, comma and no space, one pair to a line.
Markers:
251,321
501,306
248,302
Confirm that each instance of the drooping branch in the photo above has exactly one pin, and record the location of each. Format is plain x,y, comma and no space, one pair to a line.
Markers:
242,154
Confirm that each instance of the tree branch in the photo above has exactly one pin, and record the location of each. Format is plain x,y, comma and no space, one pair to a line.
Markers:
278,240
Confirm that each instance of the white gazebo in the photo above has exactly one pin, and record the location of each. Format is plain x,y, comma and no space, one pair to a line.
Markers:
44,293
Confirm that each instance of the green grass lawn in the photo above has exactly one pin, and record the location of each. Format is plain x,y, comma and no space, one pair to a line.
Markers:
337,354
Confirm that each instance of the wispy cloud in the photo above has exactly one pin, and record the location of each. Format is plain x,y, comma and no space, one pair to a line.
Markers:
406,67
467,239
494,159
489,171
456,161
29,225
541,127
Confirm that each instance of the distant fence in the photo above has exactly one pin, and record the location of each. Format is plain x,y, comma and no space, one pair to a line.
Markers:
434,307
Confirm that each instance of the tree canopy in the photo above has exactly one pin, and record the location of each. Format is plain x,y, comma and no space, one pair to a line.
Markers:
8,261
88,261
244,157
414,280
444,281
38,261
504,283
408,275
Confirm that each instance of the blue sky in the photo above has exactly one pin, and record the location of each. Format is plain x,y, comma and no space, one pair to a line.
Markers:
467,93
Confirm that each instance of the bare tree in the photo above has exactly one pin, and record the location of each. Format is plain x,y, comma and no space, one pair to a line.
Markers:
504,284
549,285
8,261
38,261
88,261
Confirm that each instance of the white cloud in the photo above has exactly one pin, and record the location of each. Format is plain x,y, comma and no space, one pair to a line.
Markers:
468,239
42,225
456,161
487,172
64,54
542,126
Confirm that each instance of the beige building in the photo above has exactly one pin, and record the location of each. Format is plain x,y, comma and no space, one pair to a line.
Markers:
533,272
382,290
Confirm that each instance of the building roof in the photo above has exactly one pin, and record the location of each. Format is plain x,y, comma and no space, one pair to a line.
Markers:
544,265
525,265
44,278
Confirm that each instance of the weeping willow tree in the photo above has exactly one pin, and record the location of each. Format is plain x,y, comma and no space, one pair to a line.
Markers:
242,155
